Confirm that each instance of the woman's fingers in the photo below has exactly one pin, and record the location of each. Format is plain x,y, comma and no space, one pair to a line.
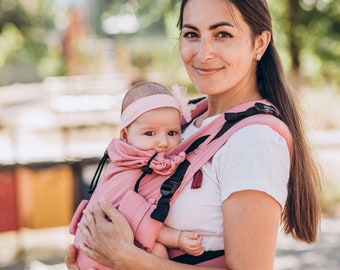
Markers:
71,258
85,232
122,229
109,209
104,231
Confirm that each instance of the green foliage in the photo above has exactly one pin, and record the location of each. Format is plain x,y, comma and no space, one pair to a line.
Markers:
320,32
25,32
314,28
11,41
151,14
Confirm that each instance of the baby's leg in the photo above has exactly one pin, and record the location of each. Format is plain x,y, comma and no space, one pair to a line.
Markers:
160,250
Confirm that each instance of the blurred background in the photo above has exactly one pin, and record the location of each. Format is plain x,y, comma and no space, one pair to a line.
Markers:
64,68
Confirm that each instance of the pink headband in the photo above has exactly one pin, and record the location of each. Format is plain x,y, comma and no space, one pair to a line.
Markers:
145,104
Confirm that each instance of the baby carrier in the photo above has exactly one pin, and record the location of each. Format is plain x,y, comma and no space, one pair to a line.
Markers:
147,201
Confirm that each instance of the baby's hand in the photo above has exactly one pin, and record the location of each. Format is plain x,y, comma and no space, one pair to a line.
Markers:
190,243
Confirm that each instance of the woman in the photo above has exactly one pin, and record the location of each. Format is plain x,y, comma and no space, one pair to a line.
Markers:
253,182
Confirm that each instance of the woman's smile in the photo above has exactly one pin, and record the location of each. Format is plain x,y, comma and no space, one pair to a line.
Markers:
207,71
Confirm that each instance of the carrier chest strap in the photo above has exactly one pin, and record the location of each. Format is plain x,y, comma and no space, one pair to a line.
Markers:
168,188
171,184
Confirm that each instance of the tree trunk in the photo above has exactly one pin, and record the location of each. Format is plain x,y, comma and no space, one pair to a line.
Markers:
294,41
293,12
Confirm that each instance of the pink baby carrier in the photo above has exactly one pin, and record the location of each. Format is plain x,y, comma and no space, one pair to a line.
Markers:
145,196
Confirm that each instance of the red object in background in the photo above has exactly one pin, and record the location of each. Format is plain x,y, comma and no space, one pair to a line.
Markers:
8,200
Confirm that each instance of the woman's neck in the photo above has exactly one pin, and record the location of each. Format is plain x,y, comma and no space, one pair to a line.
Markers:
221,103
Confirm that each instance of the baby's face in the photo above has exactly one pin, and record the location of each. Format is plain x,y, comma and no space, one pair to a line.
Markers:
158,130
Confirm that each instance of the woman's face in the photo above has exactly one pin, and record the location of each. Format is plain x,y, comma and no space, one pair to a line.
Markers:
217,47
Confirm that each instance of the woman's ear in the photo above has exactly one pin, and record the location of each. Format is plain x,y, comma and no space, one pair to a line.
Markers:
124,134
261,44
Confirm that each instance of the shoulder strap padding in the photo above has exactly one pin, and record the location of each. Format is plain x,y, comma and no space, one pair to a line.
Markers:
209,147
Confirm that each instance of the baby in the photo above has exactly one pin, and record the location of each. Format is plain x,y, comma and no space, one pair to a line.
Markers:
150,127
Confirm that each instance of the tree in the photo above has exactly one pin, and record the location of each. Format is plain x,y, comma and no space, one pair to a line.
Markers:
27,37
310,31
152,14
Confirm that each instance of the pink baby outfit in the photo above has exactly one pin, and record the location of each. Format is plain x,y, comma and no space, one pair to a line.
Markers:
117,186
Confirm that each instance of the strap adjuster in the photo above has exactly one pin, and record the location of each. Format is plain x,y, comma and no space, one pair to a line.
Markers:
169,187
263,108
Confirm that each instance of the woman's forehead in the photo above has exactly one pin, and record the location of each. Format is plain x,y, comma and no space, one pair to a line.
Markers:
212,12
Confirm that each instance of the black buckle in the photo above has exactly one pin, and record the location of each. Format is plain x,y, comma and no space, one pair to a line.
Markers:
263,108
169,187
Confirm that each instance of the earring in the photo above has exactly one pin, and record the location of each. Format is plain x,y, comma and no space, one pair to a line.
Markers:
258,57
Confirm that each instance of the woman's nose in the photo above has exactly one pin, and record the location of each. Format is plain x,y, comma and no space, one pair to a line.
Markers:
205,49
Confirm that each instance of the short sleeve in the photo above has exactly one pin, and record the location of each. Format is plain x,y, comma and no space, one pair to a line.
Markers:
255,158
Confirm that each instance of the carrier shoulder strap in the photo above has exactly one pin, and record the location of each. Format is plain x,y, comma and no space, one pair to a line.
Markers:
204,147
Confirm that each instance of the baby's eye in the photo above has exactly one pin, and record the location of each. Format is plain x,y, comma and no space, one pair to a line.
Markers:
149,133
172,133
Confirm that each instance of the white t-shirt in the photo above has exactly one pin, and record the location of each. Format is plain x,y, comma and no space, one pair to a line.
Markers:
255,158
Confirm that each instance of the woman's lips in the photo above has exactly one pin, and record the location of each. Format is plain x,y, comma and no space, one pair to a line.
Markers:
207,71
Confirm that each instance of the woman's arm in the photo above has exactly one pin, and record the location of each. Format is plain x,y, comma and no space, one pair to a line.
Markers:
251,221
111,243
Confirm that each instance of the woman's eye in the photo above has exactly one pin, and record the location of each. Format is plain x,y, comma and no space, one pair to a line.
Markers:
190,35
224,35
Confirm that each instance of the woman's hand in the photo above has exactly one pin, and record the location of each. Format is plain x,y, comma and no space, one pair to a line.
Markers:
110,242
106,234
71,257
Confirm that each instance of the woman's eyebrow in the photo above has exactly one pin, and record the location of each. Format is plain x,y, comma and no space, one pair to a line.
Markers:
216,25
190,26
212,27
